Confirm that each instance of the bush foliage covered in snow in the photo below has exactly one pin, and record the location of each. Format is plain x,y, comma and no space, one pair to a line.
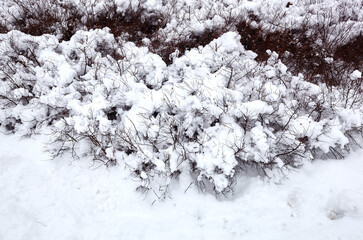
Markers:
212,111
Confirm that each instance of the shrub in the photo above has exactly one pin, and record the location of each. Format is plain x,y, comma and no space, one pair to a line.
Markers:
305,45
213,112
205,101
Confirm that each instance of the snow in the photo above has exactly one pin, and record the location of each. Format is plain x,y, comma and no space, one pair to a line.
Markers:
139,106
356,74
66,199
179,132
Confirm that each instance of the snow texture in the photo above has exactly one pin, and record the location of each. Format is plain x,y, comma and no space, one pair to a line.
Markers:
65,199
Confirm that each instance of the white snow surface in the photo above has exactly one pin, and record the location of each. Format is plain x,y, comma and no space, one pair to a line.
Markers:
67,199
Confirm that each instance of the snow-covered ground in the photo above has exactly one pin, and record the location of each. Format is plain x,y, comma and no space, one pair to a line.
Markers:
65,199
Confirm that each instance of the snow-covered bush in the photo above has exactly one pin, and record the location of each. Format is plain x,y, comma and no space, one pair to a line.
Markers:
208,88
211,113
132,19
304,33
